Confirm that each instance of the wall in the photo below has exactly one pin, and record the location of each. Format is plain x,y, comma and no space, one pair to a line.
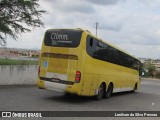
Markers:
18,74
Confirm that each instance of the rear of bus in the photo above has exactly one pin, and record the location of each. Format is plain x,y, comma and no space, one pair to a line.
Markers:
59,67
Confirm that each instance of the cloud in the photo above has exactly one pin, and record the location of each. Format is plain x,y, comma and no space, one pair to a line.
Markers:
150,3
131,24
70,6
113,27
145,40
142,51
104,2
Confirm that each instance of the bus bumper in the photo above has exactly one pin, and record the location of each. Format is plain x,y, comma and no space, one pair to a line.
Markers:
59,87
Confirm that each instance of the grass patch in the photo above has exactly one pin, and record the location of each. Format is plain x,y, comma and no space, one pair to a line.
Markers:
17,62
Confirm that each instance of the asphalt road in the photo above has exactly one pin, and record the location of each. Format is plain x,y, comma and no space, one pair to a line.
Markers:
30,98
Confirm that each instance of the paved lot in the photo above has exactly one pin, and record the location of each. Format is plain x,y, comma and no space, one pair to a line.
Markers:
30,98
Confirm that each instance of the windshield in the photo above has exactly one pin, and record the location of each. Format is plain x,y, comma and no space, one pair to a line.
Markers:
62,38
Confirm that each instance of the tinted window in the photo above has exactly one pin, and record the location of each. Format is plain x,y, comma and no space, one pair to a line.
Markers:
62,38
102,51
91,45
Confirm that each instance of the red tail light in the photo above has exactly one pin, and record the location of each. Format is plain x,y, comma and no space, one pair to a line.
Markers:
78,76
39,71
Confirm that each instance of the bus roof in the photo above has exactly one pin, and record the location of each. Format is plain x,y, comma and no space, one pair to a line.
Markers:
89,33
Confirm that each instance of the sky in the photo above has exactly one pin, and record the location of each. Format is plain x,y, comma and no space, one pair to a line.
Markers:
133,25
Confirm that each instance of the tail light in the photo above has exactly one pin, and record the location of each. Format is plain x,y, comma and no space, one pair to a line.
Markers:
39,71
78,76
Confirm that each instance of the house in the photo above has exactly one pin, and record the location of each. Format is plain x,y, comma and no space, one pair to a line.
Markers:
13,52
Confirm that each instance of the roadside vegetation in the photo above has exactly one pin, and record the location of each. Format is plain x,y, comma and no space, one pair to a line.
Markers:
149,70
17,62
19,16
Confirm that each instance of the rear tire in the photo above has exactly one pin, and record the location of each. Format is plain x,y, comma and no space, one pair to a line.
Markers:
109,91
135,88
40,88
67,94
100,92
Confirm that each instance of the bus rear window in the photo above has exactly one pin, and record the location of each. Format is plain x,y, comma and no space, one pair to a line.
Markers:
62,38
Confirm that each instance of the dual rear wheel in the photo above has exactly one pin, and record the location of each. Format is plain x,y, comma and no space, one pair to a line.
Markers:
102,93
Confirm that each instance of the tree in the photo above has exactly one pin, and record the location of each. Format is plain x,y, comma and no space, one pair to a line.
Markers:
151,68
18,16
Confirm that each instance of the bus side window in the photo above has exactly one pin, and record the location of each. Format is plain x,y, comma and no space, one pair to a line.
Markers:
91,42
99,44
90,45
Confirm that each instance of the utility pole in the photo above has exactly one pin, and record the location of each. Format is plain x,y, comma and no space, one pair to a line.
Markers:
96,27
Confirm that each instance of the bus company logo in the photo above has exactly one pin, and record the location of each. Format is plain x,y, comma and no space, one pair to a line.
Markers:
6,114
56,36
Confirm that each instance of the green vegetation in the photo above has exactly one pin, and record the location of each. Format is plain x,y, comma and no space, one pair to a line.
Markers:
19,16
149,70
17,62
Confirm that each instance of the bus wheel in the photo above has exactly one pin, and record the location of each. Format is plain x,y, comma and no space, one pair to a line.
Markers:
67,94
135,88
100,92
40,88
109,91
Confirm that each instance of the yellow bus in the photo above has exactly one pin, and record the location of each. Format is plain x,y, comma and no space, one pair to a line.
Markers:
76,62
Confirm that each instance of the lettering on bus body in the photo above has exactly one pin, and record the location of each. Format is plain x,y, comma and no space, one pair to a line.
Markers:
62,38
57,36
